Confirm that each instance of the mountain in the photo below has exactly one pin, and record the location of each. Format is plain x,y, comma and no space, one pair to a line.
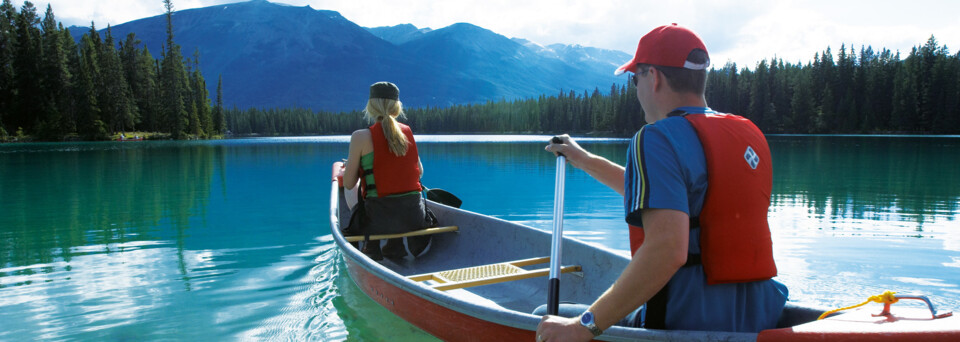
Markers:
399,34
273,55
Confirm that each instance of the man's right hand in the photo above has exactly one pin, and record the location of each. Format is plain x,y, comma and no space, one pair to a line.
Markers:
600,168
575,154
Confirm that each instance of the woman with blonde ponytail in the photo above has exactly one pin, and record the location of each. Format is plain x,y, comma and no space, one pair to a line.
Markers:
384,163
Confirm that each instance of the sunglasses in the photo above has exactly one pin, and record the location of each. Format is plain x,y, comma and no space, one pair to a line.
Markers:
636,75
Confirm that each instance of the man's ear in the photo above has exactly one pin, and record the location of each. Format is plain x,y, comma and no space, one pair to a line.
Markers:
658,79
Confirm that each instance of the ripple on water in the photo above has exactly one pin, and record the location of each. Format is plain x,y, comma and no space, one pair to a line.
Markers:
325,323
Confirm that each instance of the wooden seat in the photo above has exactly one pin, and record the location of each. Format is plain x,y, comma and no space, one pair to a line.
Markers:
428,231
488,274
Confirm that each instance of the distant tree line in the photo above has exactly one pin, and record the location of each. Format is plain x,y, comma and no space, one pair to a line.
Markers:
52,88
855,93
865,92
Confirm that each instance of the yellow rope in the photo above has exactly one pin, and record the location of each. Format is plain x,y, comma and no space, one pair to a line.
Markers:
887,297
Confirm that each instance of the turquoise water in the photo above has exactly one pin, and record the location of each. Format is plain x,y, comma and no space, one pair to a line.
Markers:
230,239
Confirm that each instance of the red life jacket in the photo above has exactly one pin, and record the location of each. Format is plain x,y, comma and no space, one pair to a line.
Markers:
394,174
735,242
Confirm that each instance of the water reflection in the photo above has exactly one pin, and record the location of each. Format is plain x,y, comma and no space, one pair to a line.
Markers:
60,198
205,240
899,179
156,240
854,216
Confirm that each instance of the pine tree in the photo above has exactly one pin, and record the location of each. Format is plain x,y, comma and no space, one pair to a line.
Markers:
116,100
69,105
141,77
759,96
55,79
26,63
201,98
173,84
8,16
905,96
219,120
802,104
89,123
149,104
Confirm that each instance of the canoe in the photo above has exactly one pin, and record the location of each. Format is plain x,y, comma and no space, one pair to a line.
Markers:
482,277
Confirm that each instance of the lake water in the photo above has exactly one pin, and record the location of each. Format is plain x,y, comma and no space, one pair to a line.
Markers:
230,239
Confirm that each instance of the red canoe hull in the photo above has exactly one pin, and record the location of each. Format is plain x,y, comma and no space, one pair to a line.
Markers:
437,320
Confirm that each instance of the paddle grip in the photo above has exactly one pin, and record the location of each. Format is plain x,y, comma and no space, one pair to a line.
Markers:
557,140
553,298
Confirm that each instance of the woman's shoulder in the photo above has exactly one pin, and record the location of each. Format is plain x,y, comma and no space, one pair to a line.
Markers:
363,132
363,138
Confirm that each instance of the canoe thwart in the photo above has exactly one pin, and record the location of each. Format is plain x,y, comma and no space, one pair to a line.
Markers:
427,231
488,274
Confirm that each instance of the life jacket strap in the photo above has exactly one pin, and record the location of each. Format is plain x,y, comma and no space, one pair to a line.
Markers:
693,260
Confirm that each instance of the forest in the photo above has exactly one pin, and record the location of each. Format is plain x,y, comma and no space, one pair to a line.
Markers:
865,92
54,89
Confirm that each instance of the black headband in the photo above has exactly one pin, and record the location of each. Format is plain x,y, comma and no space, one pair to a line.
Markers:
384,90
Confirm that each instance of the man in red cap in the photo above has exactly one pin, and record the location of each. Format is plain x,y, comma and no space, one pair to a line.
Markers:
702,259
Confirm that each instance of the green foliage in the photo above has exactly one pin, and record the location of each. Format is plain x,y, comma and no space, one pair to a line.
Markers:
219,121
115,97
55,88
26,65
7,47
853,93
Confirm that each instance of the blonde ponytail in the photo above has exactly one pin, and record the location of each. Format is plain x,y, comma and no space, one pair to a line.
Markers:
386,111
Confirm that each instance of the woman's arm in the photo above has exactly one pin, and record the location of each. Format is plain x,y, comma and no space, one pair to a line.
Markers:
360,143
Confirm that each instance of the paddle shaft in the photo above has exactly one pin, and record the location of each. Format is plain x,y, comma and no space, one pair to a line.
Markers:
556,247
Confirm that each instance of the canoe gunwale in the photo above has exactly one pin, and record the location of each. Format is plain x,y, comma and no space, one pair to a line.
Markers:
504,317
500,316
454,317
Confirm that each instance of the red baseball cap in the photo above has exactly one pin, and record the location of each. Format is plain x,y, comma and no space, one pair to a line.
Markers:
667,45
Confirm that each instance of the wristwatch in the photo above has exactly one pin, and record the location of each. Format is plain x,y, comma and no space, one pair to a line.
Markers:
586,320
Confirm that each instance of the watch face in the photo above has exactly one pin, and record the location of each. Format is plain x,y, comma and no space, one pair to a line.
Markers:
586,318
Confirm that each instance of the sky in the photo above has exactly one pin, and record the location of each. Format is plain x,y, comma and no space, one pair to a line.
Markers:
740,31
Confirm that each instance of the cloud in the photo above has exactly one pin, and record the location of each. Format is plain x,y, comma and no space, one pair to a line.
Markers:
744,31
113,12
795,31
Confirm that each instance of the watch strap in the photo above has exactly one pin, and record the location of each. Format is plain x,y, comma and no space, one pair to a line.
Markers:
592,325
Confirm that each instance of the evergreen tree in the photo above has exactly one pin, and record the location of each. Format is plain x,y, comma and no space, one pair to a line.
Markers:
219,120
173,84
802,104
55,80
905,95
201,98
69,105
26,63
89,123
116,99
141,76
8,15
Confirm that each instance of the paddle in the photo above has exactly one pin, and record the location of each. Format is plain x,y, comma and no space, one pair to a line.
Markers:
443,197
553,296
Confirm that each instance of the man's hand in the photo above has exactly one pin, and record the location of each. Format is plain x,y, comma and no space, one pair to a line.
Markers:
555,328
575,154
600,168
